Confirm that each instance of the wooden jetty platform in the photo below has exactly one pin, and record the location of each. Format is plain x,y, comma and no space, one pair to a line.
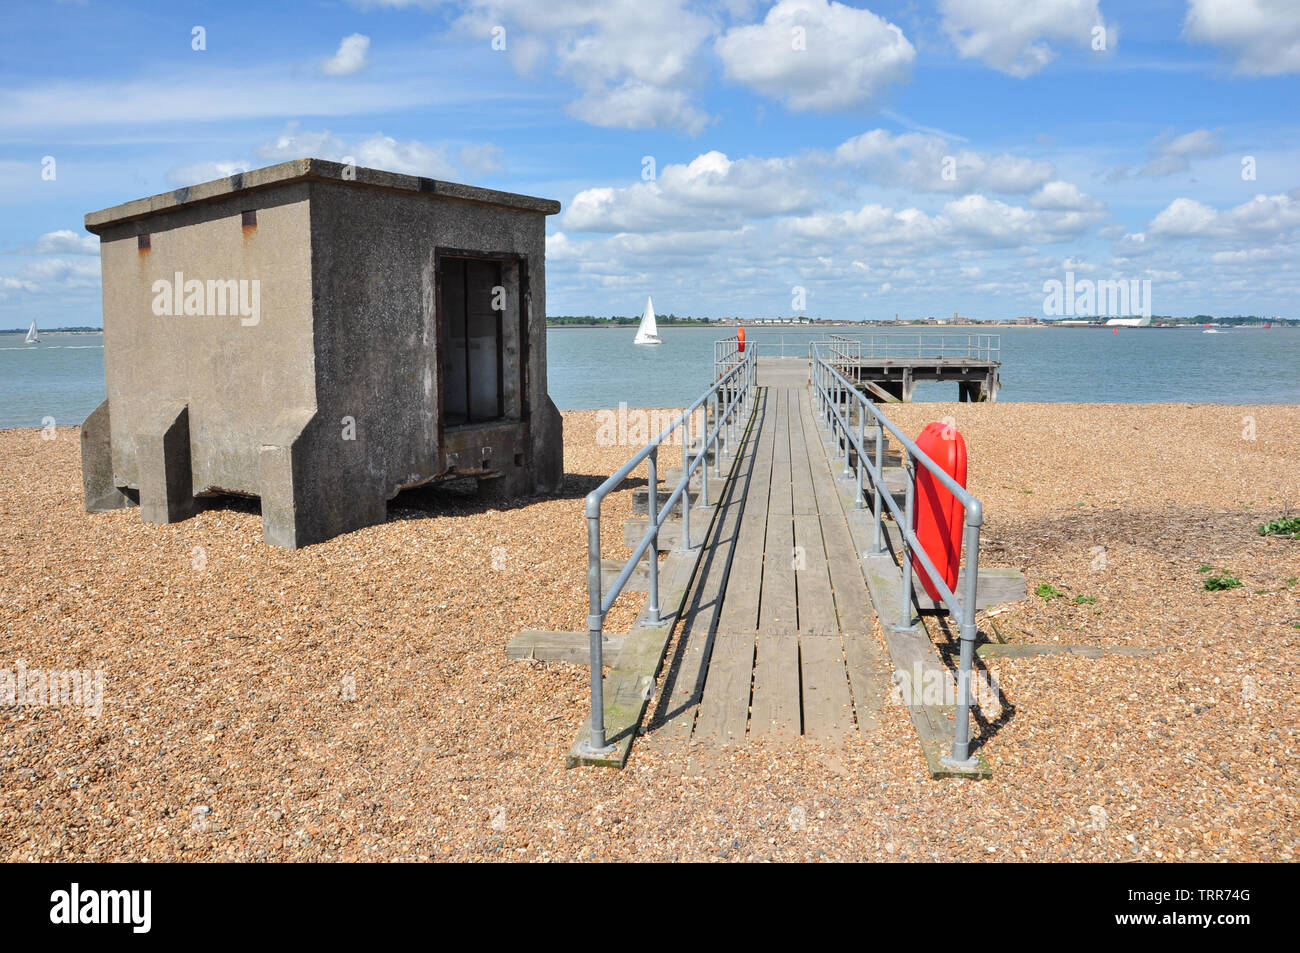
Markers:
768,627
776,637
891,365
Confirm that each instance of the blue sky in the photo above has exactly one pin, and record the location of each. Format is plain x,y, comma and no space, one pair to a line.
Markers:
914,158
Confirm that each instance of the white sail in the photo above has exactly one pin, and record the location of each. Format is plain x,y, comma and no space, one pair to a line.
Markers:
32,336
648,332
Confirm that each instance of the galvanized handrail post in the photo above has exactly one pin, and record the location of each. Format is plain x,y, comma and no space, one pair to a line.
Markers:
877,481
726,421
731,419
652,602
704,457
844,433
861,448
905,611
596,743
826,396
961,756
717,440
841,419
686,490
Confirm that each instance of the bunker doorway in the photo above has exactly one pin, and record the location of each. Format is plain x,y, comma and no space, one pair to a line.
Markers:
473,303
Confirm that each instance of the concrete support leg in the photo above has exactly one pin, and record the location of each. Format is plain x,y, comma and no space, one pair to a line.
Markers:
101,491
311,484
548,449
166,480
909,385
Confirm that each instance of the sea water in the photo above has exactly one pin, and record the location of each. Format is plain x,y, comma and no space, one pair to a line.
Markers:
61,379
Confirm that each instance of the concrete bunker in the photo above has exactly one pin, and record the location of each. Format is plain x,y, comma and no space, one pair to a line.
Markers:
321,337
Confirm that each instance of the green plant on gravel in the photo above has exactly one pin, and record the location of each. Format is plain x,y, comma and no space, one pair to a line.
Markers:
1205,569
1084,600
1293,580
1047,592
1286,526
1225,580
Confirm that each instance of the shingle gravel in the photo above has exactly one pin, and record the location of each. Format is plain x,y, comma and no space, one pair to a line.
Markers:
353,700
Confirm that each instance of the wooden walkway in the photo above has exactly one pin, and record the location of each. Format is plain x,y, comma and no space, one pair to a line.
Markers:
775,639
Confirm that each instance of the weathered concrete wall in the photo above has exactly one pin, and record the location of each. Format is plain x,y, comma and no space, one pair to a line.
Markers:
327,401
233,376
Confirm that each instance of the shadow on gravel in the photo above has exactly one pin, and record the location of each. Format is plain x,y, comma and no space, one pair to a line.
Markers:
949,649
457,497
468,495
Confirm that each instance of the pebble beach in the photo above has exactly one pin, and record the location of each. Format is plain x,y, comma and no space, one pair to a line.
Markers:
353,700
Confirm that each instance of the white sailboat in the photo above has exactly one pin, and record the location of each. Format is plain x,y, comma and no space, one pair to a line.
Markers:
648,332
32,336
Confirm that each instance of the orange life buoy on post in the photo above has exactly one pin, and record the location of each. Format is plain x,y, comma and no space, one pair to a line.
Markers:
937,515
740,336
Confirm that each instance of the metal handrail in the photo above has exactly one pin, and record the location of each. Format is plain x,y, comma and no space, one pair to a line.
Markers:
732,395
726,353
984,347
774,341
833,388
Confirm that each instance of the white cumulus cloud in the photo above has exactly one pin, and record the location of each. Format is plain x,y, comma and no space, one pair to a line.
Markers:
1261,36
196,172
709,190
817,55
929,163
1271,217
636,63
66,242
350,58
376,151
1012,35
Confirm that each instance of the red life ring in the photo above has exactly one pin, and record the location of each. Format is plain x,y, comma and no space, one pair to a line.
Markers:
938,516
740,336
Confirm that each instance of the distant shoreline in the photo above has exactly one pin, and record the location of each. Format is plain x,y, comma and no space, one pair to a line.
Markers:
54,330
985,326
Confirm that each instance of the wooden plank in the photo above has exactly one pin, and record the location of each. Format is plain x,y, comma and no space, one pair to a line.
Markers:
815,600
778,610
879,392
996,586
724,709
1031,649
575,647
917,664
639,581
885,582
780,372
670,531
641,496
868,678
740,603
868,673
827,705
780,500
775,711
673,475
803,498
683,683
